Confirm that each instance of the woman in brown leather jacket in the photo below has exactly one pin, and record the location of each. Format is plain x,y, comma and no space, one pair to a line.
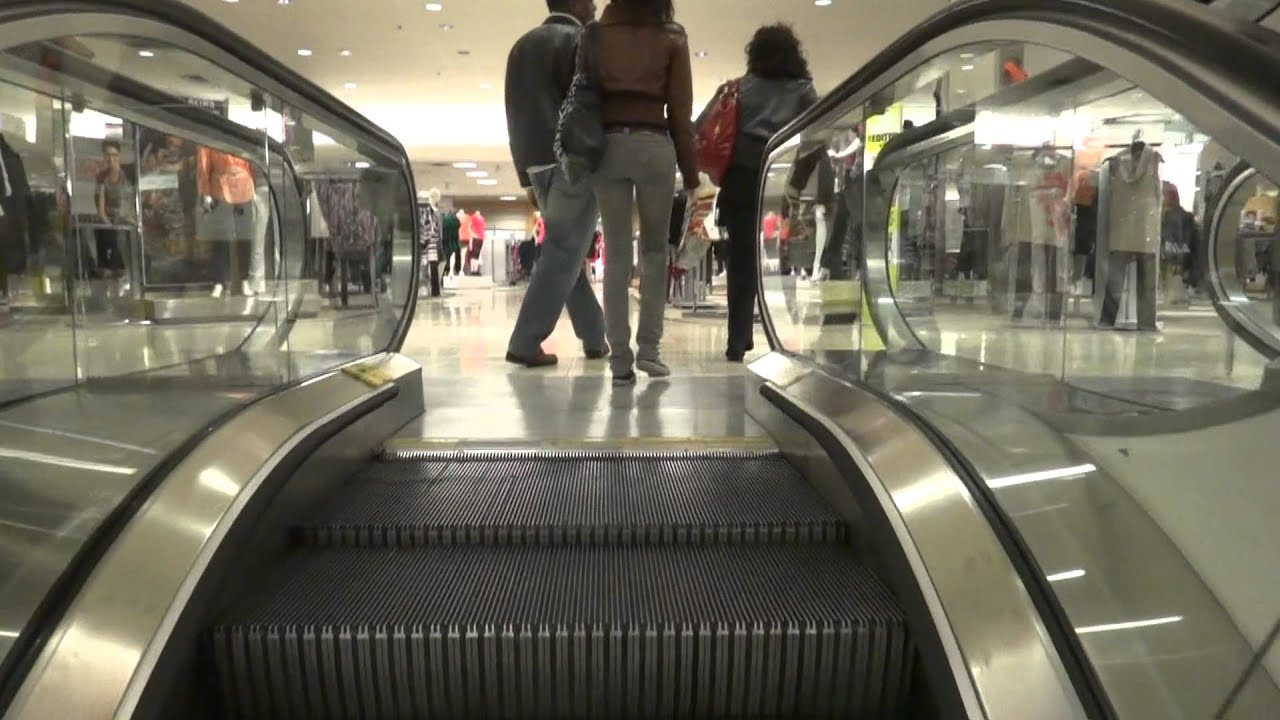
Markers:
641,57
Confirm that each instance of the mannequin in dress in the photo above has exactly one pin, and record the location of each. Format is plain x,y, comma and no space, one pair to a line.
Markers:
226,186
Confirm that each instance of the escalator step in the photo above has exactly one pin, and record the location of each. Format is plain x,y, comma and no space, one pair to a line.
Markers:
602,499
717,631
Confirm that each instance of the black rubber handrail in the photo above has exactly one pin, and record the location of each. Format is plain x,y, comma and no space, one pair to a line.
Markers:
197,24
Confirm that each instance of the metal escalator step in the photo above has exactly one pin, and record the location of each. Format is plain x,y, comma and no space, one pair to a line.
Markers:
717,631
577,499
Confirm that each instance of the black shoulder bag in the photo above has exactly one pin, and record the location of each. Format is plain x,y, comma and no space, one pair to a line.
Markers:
580,129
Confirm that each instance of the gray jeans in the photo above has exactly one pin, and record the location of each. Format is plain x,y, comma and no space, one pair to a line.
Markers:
638,170
559,280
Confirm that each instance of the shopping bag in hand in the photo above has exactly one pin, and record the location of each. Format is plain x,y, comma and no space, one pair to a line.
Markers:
696,240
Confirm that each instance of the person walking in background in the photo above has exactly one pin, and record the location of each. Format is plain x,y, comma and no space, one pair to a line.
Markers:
540,69
776,90
640,58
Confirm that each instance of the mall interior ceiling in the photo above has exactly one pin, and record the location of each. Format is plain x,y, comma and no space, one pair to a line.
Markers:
431,72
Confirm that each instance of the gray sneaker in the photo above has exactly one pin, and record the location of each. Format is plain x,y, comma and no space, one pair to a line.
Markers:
653,368
624,381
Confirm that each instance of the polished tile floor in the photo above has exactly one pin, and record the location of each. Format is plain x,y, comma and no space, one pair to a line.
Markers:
473,395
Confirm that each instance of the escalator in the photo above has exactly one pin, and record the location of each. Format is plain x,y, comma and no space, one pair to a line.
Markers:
972,499
570,585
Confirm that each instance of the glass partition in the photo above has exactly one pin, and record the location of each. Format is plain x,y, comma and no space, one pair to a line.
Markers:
1031,239
181,231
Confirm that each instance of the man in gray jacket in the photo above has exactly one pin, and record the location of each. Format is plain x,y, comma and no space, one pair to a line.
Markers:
539,72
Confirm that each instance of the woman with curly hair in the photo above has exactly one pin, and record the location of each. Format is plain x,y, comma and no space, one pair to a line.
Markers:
776,90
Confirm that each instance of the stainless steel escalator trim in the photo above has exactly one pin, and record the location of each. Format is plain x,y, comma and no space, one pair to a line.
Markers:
99,659
1259,337
1004,661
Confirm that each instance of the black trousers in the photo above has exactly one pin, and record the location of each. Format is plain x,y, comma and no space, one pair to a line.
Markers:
1024,284
232,263
1117,270
739,214
433,271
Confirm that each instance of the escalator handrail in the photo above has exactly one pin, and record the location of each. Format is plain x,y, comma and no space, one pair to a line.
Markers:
1265,343
314,99
1196,36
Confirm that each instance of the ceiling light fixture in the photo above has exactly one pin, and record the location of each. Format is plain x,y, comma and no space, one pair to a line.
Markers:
489,181
822,3
465,165
345,53
477,174
304,52
966,68
702,53
446,27
350,86
146,53
282,2
362,164
486,86
435,7
231,2
508,198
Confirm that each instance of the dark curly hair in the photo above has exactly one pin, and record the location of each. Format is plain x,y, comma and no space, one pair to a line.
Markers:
663,10
775,52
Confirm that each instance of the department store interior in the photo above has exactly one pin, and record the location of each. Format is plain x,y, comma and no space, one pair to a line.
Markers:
1005,446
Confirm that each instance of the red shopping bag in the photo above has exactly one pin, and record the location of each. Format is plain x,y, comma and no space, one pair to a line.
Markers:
719,134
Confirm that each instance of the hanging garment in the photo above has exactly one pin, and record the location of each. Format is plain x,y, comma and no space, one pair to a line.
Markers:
1135,201
450,235
478,226
352,228
429,231
318,227
1036,208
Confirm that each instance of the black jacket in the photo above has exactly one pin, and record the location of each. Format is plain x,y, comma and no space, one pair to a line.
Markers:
539,72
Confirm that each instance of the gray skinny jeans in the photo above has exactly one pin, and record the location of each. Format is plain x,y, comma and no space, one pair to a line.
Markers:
638,170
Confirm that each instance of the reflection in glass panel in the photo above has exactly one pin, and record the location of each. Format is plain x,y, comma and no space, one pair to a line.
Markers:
1035,260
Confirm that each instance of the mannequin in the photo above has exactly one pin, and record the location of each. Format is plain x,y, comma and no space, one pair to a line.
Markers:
1130,214
478,227
429,223
464,240
226,186
451,243
1038,219
15,198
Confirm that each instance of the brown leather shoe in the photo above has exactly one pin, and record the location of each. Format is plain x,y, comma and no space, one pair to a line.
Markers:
542,359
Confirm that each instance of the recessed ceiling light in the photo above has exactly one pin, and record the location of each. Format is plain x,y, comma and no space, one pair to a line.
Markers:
822,3
362,164
486,86
231,1
146,53
446,27
350,86
434,7
966,56
477,174
282,2
304,52
345,53
507,198
702,53
465,165
966,68
490,181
